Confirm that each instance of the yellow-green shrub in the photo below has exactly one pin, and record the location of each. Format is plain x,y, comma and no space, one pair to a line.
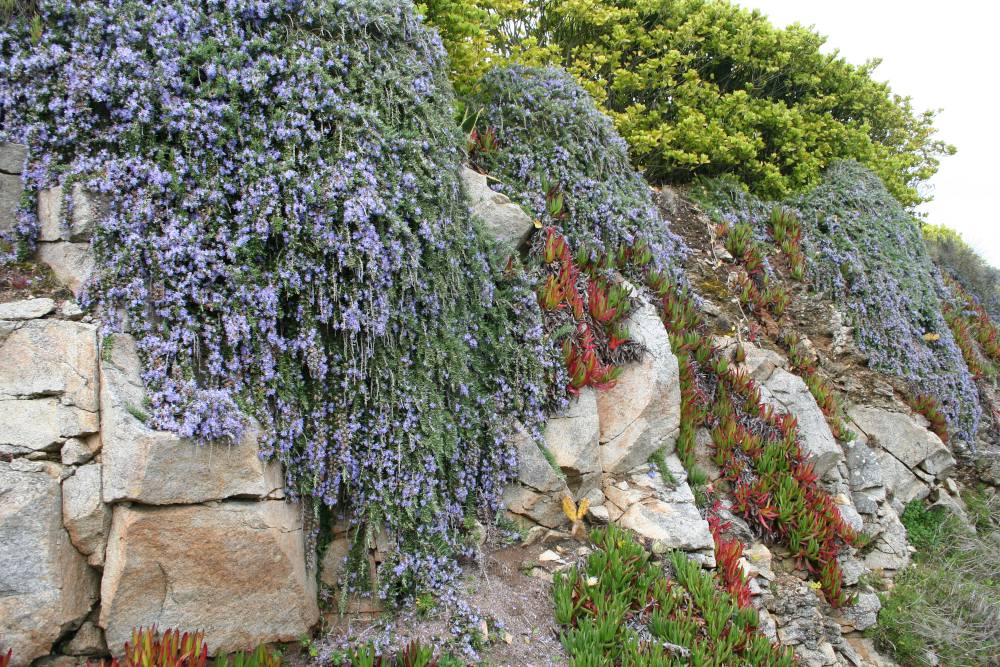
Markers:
705,87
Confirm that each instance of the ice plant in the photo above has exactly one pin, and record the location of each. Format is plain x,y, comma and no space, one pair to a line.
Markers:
928,406
148,648
620,608
728,552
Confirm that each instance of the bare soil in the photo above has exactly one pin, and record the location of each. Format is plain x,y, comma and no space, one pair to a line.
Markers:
26,280
517,606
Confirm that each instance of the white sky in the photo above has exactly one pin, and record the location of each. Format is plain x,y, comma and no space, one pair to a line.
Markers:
945,56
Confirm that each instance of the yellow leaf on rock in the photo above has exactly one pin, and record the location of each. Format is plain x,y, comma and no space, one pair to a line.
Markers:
569,508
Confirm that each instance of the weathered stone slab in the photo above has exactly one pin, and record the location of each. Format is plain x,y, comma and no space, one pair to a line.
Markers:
28,309
72,263
86,517
663,513
572,438
903,437
641,413
10,199
233,569
77,451
864,471
159,468
890,550
12,157
42,424
899,481
760,362
505,220
789,393
674,525
538,492
51,358
86,209
46,587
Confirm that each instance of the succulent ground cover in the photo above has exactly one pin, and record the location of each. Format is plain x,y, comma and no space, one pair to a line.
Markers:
620,607
866,252
288,240
584,312
148,647
757,450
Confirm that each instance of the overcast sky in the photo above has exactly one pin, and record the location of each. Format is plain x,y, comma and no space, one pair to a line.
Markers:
943,55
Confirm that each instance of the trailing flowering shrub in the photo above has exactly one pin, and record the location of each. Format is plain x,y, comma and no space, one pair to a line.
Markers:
552,144
866,252
287,238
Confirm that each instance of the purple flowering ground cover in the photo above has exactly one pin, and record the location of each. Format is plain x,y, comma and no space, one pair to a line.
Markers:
287,239
867,253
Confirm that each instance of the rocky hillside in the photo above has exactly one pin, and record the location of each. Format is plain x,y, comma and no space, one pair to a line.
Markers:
291,356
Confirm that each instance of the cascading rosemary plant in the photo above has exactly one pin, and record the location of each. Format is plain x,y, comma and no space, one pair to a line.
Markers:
288,238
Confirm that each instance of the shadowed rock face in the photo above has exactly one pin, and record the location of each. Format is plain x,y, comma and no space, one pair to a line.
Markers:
214,567
539,492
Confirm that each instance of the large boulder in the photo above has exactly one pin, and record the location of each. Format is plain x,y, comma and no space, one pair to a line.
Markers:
641,413
46,587
788,392
662,511
573,440
505,221
235,569
905,438
159,468
538,492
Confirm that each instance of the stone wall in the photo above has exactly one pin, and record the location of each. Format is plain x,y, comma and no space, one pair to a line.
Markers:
108,524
